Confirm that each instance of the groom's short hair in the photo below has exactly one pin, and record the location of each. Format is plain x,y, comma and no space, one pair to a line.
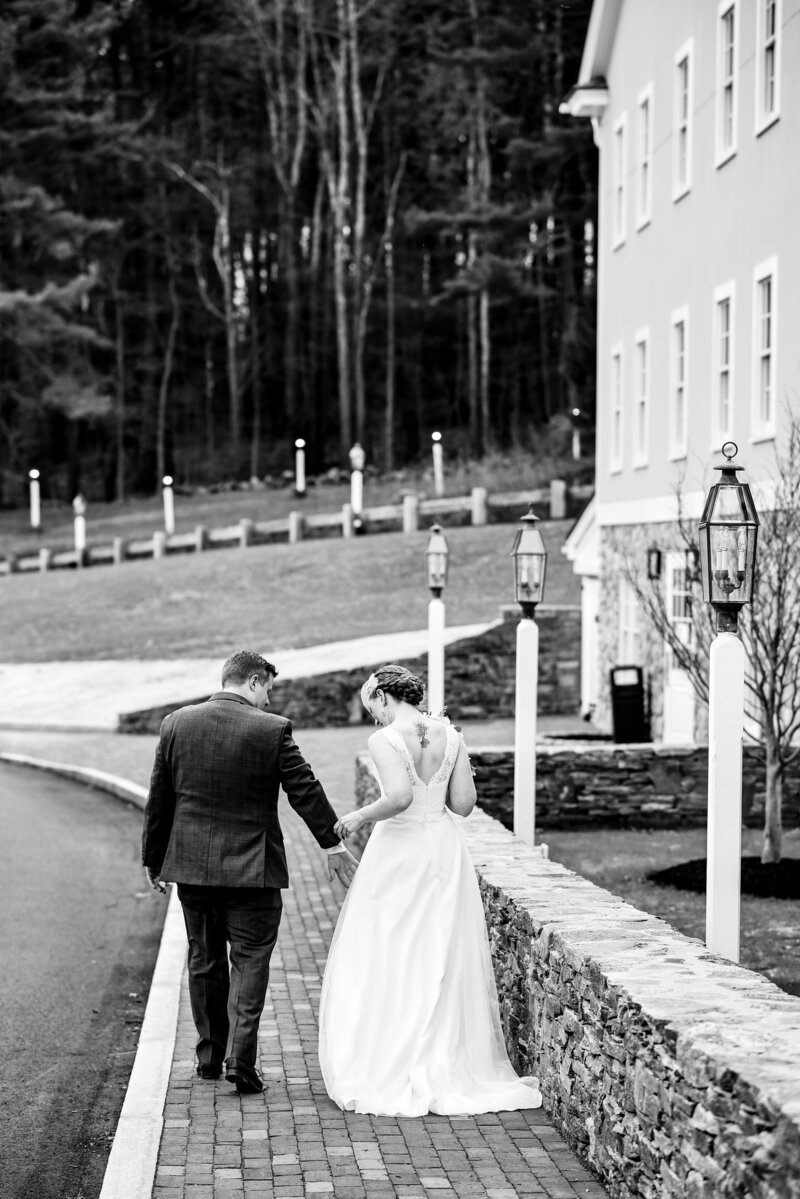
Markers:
245,663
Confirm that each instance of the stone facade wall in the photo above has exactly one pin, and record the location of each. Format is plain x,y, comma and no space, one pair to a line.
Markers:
480,678
671,1071
623,552
613,786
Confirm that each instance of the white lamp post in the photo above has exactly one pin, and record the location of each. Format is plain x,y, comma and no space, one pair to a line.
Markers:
530,564
438,463
36,502
79,509
357,460
728,532
300,466
169,504
436,561
576,434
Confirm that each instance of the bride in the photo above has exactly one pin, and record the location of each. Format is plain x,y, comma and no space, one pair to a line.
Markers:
409,1020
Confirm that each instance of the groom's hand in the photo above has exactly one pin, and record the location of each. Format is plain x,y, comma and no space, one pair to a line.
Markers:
154,881
342,865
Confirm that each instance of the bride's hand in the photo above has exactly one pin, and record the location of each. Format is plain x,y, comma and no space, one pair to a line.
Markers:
348,824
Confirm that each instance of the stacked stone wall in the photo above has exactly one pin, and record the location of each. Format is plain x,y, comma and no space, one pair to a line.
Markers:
614,786
623,554
480,677
671,1071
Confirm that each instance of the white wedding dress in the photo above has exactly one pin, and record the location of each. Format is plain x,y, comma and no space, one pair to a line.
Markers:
409,1020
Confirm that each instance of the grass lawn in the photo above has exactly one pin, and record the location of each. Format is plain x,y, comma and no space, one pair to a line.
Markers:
619,860
275,597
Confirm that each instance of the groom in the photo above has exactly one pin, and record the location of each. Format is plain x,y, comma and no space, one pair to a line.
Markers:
211,826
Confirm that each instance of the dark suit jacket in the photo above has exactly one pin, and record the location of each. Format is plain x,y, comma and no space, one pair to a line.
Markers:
211,816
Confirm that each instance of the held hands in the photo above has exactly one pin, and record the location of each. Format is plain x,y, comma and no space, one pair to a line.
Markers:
348,824
154,881
342,865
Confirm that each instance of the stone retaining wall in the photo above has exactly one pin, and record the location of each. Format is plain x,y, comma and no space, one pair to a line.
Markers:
669,1070
480,678
614,786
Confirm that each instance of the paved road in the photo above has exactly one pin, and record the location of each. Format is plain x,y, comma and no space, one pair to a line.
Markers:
78,940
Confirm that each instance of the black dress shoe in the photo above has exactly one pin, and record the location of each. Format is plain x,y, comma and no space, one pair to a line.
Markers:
246,1078
212,1070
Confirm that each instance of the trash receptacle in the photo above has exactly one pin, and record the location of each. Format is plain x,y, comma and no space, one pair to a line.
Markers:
628,715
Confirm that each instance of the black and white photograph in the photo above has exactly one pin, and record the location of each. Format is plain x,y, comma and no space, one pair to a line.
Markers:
399,599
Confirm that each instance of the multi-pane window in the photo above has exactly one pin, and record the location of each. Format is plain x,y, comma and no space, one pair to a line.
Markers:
682,132
723,361
642,406
644,157
726,82
620,172
767,62
764,310
615,458
629,640
679,366
679,606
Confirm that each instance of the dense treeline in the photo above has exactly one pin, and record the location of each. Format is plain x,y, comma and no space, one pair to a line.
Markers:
225,224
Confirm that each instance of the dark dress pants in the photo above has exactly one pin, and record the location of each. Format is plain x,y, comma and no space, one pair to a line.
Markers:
227,1003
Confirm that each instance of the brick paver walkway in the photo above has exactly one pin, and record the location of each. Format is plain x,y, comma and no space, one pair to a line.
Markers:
293,1141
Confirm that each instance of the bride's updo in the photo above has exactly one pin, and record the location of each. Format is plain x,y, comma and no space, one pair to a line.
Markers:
398,682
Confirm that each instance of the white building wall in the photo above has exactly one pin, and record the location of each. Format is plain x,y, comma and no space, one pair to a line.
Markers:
733,217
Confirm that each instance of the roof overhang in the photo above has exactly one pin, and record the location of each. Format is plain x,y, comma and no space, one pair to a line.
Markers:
582,546
599,42
586,100
589,96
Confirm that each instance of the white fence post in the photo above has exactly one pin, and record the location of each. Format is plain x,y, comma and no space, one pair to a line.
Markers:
410,513
558,499
295,527
479,506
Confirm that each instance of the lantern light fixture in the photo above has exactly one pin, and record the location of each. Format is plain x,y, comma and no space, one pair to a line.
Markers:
654,563
530,564
436,559
728,533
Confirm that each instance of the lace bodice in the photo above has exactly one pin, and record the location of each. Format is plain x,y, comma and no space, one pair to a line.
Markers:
429,798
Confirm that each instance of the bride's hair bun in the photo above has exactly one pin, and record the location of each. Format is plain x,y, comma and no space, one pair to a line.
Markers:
400,683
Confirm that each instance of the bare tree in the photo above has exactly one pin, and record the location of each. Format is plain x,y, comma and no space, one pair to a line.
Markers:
219,199
769,628
280,33
344,116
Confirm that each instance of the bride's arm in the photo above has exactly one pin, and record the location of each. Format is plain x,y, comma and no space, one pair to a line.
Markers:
461,794
396,792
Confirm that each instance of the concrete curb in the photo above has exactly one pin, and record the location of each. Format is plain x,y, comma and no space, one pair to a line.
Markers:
133,1160
114,784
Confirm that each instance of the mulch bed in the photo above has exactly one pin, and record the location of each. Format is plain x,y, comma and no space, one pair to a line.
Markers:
774,880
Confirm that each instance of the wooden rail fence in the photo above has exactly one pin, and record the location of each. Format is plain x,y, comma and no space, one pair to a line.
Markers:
555,502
